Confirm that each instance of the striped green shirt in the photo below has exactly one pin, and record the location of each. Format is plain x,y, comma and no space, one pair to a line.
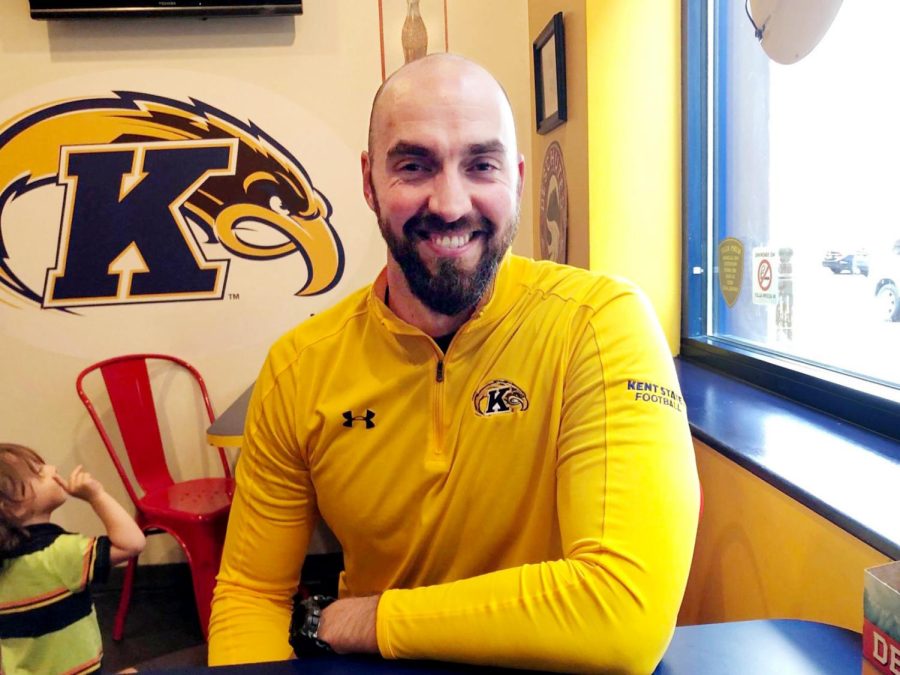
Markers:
48,624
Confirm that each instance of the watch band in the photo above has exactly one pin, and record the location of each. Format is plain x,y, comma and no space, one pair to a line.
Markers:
304,631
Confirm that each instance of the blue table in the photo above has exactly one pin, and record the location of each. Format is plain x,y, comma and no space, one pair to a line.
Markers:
776,647
779,647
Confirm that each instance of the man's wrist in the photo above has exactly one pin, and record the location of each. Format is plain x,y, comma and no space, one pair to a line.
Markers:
349,625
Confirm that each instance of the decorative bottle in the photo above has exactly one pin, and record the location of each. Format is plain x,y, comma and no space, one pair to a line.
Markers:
415,36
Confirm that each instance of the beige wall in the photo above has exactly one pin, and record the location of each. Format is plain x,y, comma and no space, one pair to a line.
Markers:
306,80
473,29
571,136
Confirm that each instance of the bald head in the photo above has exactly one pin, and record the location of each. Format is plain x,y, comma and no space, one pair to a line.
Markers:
436,75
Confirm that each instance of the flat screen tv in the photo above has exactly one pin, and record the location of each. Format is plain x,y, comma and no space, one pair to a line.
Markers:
96,9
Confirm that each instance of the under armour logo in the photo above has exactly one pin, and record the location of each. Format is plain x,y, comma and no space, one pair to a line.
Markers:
349,419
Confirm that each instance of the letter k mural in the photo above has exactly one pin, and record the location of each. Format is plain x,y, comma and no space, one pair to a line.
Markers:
124,236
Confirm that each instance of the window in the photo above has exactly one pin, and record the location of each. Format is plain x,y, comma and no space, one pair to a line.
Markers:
791,213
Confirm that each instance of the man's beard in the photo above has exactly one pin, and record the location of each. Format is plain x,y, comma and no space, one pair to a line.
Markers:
451,289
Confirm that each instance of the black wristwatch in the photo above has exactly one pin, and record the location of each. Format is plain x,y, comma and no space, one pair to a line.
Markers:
304,632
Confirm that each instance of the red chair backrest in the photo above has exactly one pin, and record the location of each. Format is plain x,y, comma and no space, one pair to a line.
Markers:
127,380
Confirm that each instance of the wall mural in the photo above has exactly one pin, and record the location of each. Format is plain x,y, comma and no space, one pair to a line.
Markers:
554,205
149,182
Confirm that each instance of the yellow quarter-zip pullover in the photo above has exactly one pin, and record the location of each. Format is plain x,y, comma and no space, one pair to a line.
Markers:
529,498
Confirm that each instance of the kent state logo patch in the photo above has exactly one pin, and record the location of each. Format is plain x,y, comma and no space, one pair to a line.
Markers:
655,394
498,397
147,180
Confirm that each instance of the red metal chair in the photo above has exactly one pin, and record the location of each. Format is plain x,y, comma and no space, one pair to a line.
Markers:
194,512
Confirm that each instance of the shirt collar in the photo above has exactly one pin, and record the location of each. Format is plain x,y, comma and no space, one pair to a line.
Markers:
40,537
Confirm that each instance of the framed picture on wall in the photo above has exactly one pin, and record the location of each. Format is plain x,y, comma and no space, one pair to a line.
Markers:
550,75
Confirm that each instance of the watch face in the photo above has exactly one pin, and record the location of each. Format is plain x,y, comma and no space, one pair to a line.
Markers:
304,628
310,626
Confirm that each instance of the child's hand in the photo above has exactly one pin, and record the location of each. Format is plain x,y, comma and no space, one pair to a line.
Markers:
81,484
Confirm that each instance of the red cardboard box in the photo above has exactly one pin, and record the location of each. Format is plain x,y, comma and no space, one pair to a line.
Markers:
881,624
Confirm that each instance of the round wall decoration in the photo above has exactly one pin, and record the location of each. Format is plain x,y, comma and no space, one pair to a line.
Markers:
554,205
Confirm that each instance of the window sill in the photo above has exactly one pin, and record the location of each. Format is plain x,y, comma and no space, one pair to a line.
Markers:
844,473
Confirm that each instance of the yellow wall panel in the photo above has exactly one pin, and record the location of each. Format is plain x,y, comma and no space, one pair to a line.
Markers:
634,144
761,554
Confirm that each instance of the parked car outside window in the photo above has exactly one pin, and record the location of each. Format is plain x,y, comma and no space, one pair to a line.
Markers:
885,272
854,263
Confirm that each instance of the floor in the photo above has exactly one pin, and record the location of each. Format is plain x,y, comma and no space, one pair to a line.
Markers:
162,629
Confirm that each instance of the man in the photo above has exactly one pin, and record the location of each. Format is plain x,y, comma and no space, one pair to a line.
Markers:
498,444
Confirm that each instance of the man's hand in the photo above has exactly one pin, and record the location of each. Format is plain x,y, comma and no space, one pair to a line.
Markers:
81,484
348,625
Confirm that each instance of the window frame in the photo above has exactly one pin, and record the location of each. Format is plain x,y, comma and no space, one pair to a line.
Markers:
868,404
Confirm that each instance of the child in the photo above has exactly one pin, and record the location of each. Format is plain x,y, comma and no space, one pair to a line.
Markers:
47,620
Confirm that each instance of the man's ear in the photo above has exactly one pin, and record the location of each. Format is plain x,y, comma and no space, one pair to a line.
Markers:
368,190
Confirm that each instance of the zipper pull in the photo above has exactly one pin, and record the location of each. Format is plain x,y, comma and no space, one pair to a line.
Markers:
440,371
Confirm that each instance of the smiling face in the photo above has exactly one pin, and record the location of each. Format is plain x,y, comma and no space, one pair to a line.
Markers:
444,178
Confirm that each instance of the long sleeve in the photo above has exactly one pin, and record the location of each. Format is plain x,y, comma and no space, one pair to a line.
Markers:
269,527
627,502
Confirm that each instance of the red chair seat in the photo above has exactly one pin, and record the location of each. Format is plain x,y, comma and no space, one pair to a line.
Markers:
198,499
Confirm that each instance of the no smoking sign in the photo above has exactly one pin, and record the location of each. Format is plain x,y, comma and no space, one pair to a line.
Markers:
764,274
764,290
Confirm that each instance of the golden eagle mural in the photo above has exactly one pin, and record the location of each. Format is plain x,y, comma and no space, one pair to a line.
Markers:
138,169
